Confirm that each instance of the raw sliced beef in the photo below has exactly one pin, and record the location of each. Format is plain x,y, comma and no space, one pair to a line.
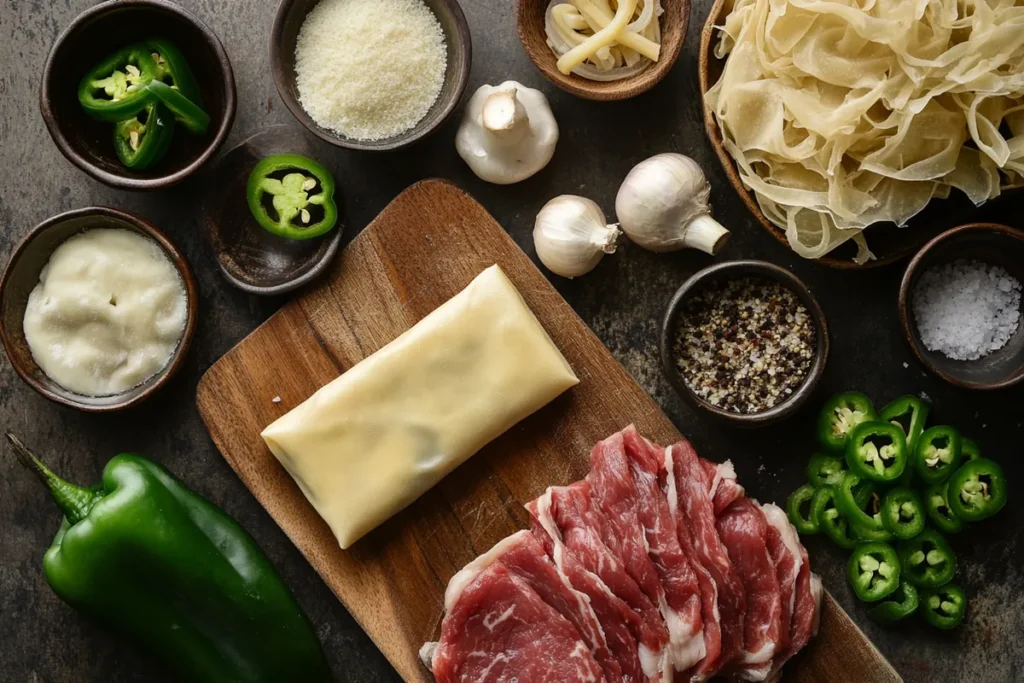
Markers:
806,612
524,556
784,549
744,531
568,518
696,512
724,487
674,564
499,630
641,530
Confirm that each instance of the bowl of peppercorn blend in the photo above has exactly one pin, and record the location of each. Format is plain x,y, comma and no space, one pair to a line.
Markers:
745,341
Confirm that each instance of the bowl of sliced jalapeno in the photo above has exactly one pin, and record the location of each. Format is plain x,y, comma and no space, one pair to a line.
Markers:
138,93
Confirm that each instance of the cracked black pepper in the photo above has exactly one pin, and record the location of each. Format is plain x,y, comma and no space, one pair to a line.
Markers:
744,345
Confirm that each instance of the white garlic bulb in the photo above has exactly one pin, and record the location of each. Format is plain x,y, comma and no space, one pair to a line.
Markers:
662,205
572,235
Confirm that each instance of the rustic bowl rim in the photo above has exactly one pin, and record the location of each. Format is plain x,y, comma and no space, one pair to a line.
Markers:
611,91
910,275
461,36
181,264
83,161
730,269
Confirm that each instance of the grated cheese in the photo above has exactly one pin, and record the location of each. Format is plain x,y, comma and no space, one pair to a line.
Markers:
370,69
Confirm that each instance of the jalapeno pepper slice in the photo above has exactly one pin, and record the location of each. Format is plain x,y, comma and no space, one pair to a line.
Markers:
903,513
901,604
795,505
969,450
882,535
115,89
142,142
936,505
839,416
977,490
945,607
877,451
186,112
937,454
858,500
172,68
909,413
825,470
873,571
927,560
829,520
292,197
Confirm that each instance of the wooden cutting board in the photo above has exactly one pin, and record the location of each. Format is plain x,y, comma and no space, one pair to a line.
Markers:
422,250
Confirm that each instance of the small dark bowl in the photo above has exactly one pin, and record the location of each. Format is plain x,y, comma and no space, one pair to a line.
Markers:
22,275
250,257
92,36
988,243
291,14
728,271
532,34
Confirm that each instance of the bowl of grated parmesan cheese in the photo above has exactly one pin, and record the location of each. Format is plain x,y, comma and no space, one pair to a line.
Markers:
371,75
960,306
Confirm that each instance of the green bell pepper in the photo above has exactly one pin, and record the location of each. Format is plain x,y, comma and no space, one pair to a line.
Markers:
839,416
937,454
927,560
936,505
142,141
825,470
977,490
805,524
909,413
877,451
186,112
292,197
115,89
167,570
829,520
903,513
172,68
945,607
901,604
873,571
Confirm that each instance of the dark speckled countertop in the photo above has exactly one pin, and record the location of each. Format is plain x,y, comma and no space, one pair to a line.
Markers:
42,640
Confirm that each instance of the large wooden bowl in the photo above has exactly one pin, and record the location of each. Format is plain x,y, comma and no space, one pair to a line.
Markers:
530,26
888,242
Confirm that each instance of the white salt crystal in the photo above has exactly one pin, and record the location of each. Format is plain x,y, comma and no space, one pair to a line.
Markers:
966,309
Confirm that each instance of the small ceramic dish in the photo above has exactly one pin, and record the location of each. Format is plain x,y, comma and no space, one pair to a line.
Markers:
530,25
95,34
989,243
250,257
22,275
728,271
291,14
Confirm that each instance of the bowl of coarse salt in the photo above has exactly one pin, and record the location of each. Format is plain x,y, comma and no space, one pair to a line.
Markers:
960,306
372,75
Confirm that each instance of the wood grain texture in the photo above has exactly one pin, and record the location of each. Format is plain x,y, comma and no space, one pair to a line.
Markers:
422,250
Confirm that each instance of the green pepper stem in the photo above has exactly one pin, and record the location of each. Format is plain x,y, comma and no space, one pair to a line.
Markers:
74,501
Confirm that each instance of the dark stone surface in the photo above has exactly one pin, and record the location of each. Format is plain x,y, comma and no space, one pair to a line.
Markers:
41,639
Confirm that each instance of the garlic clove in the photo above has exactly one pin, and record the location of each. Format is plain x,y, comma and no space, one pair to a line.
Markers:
571,235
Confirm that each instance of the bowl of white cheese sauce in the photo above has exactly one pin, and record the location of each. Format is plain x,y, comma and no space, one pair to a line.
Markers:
97,309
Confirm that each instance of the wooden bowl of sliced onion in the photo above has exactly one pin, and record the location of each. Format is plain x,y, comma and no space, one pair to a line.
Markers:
601,50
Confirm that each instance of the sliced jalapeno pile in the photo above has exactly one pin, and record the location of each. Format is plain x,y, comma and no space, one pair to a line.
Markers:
927,560
909,413
977,490
890,480
292,197
899,605
144,89
937,454
874,571
840,415
903,513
